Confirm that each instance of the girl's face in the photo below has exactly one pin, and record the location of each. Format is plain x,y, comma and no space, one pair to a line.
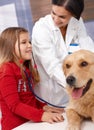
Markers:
60,16
25,47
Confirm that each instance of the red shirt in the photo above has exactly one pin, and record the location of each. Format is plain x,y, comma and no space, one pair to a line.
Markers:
18,104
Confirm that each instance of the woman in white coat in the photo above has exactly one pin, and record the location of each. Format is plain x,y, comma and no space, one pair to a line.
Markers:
53,38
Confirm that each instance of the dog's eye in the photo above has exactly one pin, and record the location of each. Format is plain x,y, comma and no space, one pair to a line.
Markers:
83,64
68,66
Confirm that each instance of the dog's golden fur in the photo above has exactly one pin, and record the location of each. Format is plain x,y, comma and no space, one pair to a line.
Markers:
79,72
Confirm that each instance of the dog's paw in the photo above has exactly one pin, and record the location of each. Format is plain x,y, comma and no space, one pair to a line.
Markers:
73,127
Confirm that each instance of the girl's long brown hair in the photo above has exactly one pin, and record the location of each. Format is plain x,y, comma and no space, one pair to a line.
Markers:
8,39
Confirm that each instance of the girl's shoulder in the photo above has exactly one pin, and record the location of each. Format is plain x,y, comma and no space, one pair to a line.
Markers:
9,67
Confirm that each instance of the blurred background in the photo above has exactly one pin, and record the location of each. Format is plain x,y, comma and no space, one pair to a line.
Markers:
26,12
43,7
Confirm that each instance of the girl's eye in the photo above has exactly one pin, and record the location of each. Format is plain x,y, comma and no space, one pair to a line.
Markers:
24,42
30,42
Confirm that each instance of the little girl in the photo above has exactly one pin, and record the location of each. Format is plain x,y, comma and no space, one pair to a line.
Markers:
18,103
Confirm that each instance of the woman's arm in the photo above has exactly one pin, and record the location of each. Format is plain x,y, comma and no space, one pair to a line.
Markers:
44,50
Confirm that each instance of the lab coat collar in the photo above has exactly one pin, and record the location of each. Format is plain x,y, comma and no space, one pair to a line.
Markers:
52,25
71,30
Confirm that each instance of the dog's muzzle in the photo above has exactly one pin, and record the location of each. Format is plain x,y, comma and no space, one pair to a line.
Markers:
71,80
78,92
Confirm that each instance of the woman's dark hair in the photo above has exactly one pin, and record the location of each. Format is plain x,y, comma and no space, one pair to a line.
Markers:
75,7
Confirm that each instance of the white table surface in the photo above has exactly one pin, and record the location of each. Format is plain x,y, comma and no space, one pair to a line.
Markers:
86,125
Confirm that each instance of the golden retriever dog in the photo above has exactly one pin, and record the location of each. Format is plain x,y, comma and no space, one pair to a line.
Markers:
79,72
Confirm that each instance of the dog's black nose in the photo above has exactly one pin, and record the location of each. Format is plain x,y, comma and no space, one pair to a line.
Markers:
70,80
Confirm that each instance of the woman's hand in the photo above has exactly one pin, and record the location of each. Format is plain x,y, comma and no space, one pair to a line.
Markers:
53,109
51,117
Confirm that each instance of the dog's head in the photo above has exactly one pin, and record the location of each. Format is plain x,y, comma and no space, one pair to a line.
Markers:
79,72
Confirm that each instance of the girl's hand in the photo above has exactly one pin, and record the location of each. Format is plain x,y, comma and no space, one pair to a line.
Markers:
53,109
51,117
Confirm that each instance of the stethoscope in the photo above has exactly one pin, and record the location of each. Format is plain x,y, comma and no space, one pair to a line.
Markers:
31,84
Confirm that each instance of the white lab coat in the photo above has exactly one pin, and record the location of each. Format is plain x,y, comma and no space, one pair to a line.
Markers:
49,49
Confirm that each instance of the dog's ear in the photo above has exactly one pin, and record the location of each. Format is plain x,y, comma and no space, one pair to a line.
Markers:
64,67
